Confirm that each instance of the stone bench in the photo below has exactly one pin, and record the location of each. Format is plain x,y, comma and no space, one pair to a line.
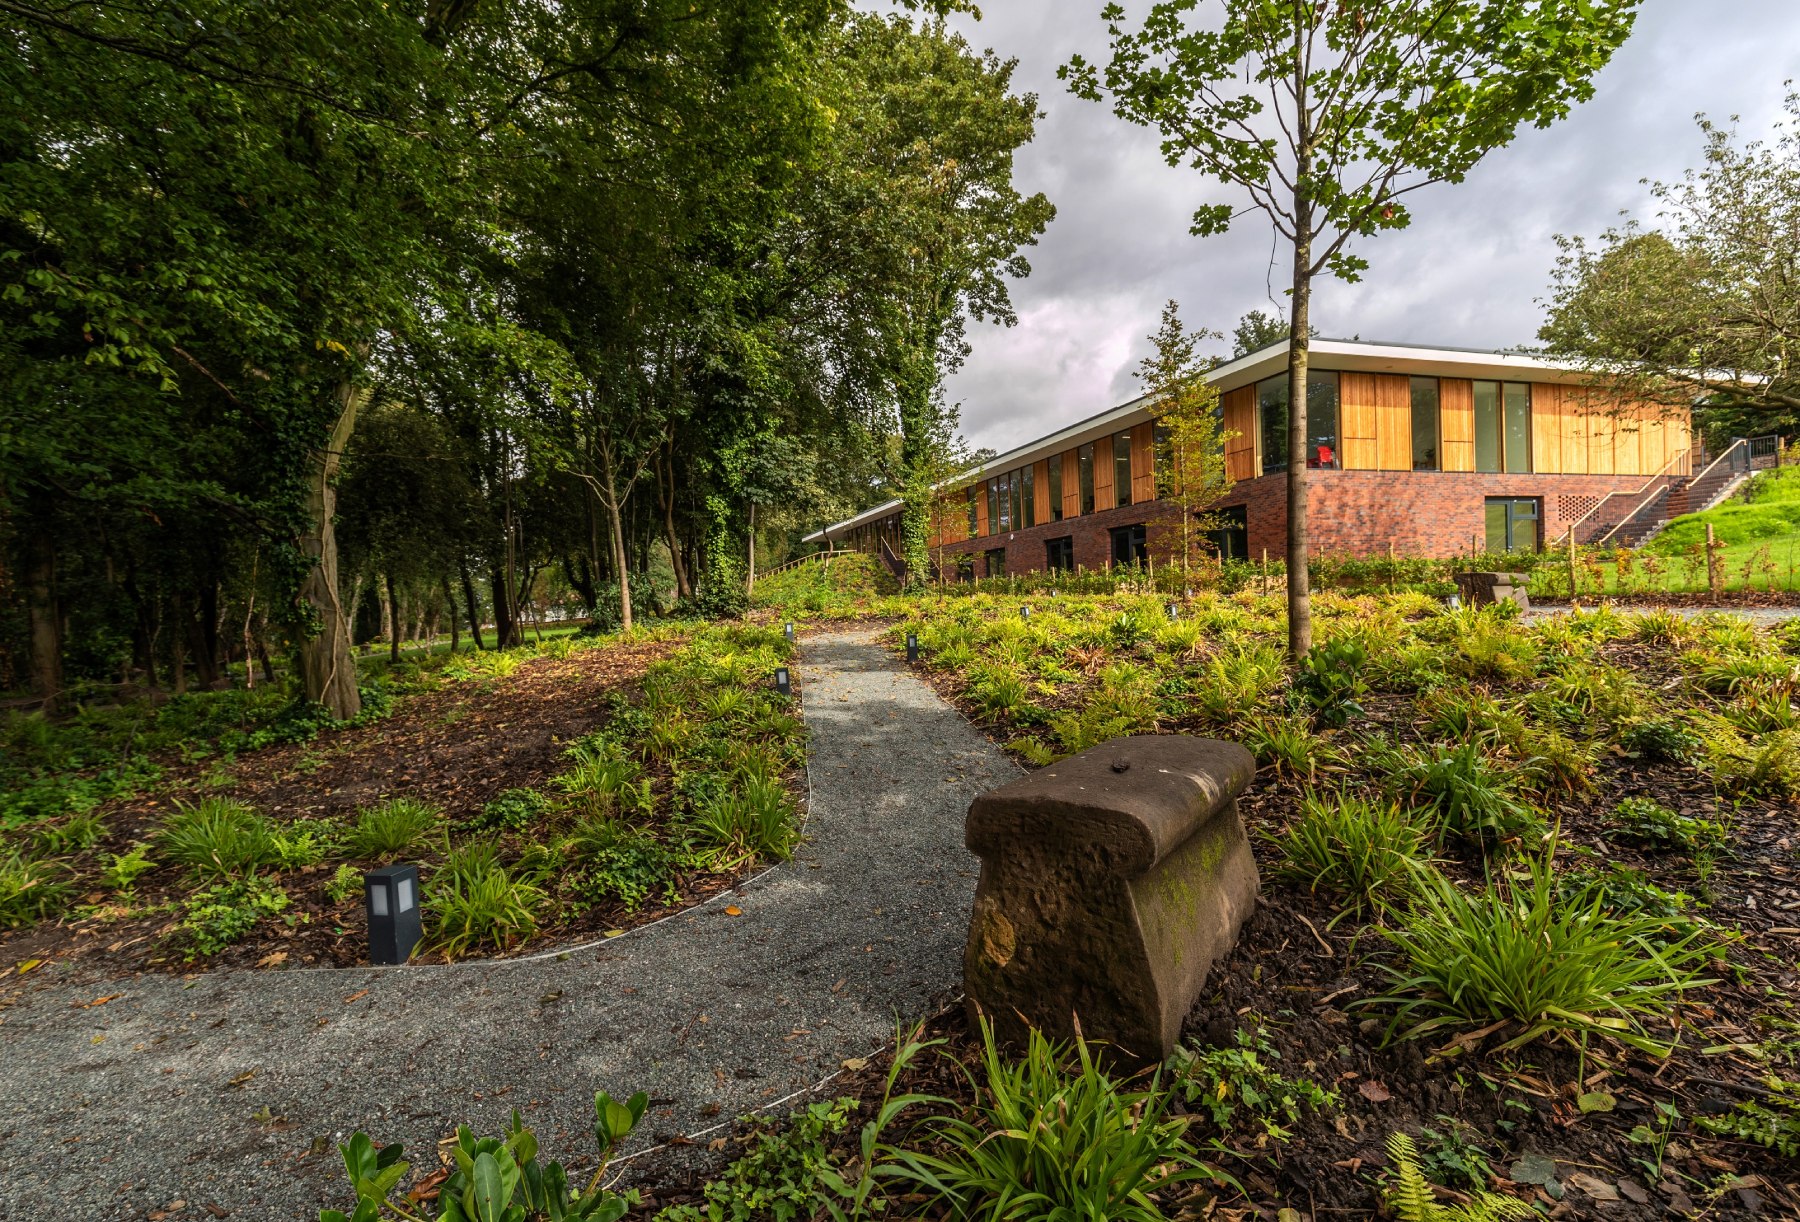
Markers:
1484,589
1111,882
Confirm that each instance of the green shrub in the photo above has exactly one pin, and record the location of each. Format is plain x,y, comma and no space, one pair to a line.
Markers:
1621,891
755,818
122,873
783,1175
390,828
73,834
516,810
476,901
1469,796
219,838
1236,1086
1772,1120
1519,952
1331,679
305,842
1363,851
1289,745
1051,1135
217,916
31,889
345,884
1667,742
1767,765
1648,822
610,860
1411,1199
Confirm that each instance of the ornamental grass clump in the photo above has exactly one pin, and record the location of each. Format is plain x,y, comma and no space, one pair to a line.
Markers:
1051,1135
1520,953
31,888
390,828
476,901
1363,851
219,838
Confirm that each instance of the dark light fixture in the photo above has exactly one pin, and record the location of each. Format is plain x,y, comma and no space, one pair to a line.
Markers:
783,683
912,647
391,898
1174,611
1025,612
787,630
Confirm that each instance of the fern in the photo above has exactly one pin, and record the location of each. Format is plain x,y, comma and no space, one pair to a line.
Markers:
1412,1200
1773,1121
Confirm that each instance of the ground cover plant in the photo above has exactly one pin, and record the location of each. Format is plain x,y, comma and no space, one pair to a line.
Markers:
545,793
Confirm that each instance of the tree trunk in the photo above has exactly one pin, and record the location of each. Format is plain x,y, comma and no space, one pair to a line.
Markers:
391,607
665,483
450,606
327,670
178,643
1299,580
504,626
46,617
609,499
203,636
468,587
356,597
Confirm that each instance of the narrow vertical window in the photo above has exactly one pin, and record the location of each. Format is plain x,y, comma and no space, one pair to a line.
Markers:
974,516
1272,417
993,495
1084,458
1518,427
1425,424
1121,468
1015,485
1487,426
1322,419
1055,488
1028,476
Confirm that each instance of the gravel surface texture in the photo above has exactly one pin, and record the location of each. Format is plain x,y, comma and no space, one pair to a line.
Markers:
1762,617
153,1103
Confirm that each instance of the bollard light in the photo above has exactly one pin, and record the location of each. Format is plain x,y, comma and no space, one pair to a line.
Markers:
1024,612
912,647
787,630
391,897
1174,611
783,684
1454,602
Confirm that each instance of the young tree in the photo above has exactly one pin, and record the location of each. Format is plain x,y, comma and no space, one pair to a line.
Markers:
1190,459
1706,304
1328,116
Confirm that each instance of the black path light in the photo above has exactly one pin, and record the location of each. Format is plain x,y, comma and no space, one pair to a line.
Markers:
787,630
1174,611
912,647
783,683
1025,612
391,896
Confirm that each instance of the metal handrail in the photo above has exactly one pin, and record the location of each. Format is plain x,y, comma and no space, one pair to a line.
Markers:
1727,453
1646,491
808,558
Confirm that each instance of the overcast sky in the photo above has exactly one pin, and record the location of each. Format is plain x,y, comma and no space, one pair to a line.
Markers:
1469,272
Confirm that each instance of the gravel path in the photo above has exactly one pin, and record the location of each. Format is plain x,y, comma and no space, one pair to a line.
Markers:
122,1109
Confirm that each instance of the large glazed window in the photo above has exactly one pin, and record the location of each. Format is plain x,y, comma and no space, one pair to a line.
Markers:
993,495
1122,468
1056,461
1059,554
1129,544
1512,524
1518,427
974,515
1028,478
1425,424
1503,427
1084,459
1487,426
1321,421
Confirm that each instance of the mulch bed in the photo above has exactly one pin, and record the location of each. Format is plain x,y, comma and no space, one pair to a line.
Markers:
457,747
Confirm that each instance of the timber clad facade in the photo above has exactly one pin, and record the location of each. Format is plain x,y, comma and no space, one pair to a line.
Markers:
1427,451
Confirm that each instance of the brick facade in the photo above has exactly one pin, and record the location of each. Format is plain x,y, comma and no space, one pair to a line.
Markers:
1355,513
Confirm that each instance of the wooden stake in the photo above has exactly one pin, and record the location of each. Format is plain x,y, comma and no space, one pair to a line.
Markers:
1712,563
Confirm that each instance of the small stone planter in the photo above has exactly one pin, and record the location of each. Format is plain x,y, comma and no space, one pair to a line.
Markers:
1485,589
1111,882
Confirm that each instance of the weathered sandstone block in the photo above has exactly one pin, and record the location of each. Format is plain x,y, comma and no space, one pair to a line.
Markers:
1110,883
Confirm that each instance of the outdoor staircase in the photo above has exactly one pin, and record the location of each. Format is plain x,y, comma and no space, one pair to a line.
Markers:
1633,519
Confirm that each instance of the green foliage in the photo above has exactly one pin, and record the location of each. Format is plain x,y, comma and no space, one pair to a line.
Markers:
1052,1135
390,828
219,838
1768,764
1469,796
123,871
1289,745
1365,851
516,810
31,889
215,917
1771,1120
610,860
1409,1195
1646,821
1453,1158
1661,741
73,834
1520,952
756,819
496,1179
476,901
1238,1087
305,842
346,884
1331,679
779,1177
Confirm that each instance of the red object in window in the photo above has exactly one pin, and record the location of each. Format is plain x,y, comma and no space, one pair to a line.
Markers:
1325,457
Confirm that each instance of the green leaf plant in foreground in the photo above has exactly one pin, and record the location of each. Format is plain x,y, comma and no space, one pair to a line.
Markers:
496,1179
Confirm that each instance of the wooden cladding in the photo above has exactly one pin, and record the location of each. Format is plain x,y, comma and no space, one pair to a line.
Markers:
1456,424
1143,462
1240,432
1104,498
1574,431
1071,483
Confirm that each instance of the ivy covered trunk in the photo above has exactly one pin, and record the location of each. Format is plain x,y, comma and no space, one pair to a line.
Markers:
920,428
326,667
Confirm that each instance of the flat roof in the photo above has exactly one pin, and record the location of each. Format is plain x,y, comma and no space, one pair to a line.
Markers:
1351,355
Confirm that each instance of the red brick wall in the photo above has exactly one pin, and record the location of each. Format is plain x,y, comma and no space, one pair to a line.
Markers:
1422,513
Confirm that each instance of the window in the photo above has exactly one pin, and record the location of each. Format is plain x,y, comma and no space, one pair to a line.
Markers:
1084,458
1512,524
1231,532
965,567
1029,478
1503,427
1055,488
996,562
1059,554
1425,424
1122,468
1321,421
993,495
974,516
1014,487
1128,544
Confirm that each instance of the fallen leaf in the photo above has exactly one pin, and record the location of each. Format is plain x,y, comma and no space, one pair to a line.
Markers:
215,1210
242,1078
356,996
273,959
1595,1187
98,1001
28,965
1595,1101
1373,1091
427,1188
1533,1169
733,910
614,933
856,1064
